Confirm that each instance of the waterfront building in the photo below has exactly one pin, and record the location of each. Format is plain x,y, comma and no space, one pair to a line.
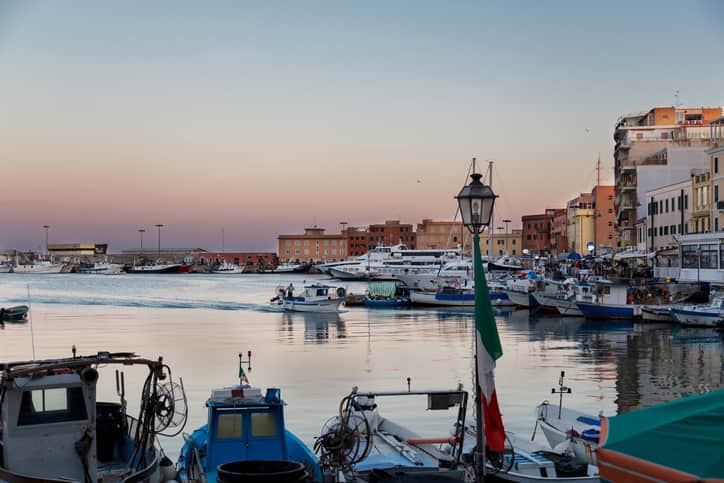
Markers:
639,136
392,232
536,233
701,200
168,255
505,243
314,244
605,217
77,250
559,230
441,234
716,157
581,223
358,240
701,257
669,215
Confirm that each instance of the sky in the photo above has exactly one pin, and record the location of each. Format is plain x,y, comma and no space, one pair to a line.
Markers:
266,117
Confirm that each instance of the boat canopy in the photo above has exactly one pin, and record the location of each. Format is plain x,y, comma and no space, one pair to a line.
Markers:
382,289
678,441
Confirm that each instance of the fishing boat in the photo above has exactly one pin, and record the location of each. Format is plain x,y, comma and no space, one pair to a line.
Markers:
18,313
225,268
558,298
39,267
102,268
55,430
245,436
386,295
154,267
291,267
700,315
568,428
314,298
609,300
375,446
447,296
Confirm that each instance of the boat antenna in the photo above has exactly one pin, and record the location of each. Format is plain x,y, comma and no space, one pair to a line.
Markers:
242,375
562,389
30,316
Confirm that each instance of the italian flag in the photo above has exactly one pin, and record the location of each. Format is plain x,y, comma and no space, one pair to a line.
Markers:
488,351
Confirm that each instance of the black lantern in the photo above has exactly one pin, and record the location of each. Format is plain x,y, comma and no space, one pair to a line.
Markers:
476,202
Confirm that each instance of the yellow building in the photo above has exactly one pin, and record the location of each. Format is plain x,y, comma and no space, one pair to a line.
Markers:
441,234
77,249
581,219
505,243
701,201
313,244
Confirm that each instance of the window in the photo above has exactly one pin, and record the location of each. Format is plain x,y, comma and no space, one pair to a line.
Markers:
716,165
513,242
672,205
610,210
667,205
57,405
673,229
661,206
263,424
716,193
709,255
716,224
686,202
689,258
610,223
228,426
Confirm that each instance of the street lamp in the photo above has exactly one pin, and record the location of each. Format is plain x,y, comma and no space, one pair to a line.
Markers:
507,222
476,202
159,226
141,231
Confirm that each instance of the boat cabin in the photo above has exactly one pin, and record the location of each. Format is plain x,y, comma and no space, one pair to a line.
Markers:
608,293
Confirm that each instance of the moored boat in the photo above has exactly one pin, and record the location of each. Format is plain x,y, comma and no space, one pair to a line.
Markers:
225,268
609,300
656,313
155,267
55,430
39,267
102,268
386,295
700,315
245,432
18,313
314,298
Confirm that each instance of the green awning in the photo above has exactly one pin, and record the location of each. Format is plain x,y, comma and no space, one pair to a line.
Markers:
382,289
682,440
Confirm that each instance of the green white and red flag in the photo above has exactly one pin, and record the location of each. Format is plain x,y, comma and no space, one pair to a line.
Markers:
489,350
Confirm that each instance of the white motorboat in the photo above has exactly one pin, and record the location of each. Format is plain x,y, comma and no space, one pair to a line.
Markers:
447,296
458,271
656,313
103,268
314,298
579,430
6,267
701,315
157,267
39,267
375,445
225,268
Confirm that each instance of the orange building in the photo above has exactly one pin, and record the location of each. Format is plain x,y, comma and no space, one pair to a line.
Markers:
605,216
440,234
239,258
314,244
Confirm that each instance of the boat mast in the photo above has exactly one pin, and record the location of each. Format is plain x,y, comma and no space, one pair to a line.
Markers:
492,215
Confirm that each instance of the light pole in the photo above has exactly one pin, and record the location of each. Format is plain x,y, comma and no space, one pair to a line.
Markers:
507,222
501,229
141,231
47,250
159,226
476,202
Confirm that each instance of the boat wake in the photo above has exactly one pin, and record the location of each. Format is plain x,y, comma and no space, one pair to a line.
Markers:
152,303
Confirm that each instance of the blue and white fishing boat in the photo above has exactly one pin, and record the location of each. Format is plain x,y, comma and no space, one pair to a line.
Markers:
698,315
314,298
609,300
245,437
459,296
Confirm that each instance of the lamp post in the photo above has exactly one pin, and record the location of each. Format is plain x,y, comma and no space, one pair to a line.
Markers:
47,250
507,222
476,202
141,231
159,226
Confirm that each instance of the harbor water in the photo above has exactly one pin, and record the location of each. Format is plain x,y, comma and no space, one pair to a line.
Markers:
199,324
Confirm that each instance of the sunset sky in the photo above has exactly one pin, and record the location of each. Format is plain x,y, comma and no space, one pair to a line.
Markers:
267,117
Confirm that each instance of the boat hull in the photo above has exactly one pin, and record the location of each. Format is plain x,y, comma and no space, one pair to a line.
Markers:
326,306
19,313
386,304
39,269
656,314
697,318
146,270
608,311
445,300
518,298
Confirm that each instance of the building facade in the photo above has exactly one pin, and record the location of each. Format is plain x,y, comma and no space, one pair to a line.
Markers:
261,259
639,136
701,200
605,217
716,158
358,240
313,245
433,234
669,216
77,250
505,243
581,223
559,230
392,232
536,233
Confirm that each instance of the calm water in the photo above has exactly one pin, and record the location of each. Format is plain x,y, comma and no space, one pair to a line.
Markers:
199,323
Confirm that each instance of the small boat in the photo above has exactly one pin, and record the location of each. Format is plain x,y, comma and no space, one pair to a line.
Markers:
245,433
103,268
609,300
504,264
19,313
315,298
447,296
6,267
39,267
386,295
289,267
55,430
154,267
656,313
225,268
375,446
698,315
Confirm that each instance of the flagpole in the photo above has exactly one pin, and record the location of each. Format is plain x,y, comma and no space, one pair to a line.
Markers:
479,419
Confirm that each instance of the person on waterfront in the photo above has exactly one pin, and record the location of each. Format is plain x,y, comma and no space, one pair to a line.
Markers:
290,291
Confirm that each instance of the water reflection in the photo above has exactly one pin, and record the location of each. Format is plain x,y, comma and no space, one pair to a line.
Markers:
319,328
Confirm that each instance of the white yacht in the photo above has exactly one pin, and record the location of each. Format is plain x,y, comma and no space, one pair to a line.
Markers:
103,268
225,268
